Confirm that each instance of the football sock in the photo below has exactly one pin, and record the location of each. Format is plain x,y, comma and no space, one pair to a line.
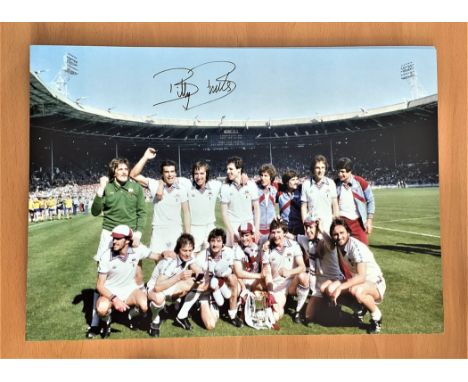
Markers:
155,309
226,292
190,300
95,316
302,294
218,297
376,314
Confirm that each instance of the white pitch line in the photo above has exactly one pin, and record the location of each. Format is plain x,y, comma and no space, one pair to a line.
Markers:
411,233
400,220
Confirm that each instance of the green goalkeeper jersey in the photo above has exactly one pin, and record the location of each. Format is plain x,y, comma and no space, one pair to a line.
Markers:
121,204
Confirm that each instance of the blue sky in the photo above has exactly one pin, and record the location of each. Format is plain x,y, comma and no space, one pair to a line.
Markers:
264,84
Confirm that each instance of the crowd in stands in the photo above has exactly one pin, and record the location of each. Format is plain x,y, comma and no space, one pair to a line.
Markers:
75,174
378,174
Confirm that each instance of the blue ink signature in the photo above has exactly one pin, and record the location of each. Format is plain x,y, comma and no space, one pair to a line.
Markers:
185,83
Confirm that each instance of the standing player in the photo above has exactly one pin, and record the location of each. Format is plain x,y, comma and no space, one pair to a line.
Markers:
289,201
172,278
122,201
323,263
202,197
267,193
319,194
247,260
169,198
116,277
238,201
364,278
356,201
284,268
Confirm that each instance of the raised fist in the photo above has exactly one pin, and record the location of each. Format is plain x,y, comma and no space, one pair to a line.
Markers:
150,153
103,180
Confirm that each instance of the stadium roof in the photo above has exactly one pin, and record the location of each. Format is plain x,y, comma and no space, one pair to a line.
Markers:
51,110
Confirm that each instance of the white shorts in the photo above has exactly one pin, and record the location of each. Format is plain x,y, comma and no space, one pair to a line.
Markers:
200,234
164,238
104,244
281,285
123,292
381,287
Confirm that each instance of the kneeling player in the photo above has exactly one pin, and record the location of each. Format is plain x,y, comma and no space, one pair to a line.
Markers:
364,278
247,260
284,268
172,278
217,261
116,277
323,263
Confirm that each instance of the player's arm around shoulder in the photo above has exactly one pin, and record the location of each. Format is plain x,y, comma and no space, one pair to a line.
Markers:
167,254
141,180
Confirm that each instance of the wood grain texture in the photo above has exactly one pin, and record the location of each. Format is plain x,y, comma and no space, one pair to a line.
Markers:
451,43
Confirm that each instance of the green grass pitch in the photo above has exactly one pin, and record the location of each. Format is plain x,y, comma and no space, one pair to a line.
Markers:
405,241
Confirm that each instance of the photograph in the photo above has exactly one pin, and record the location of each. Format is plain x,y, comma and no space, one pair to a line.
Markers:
200,192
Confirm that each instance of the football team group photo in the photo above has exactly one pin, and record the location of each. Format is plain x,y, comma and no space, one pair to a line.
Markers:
266,219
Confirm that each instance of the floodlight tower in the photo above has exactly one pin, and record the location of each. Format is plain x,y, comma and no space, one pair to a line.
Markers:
408,73
69,68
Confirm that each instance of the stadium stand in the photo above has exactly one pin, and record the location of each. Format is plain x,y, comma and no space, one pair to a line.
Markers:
71,143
